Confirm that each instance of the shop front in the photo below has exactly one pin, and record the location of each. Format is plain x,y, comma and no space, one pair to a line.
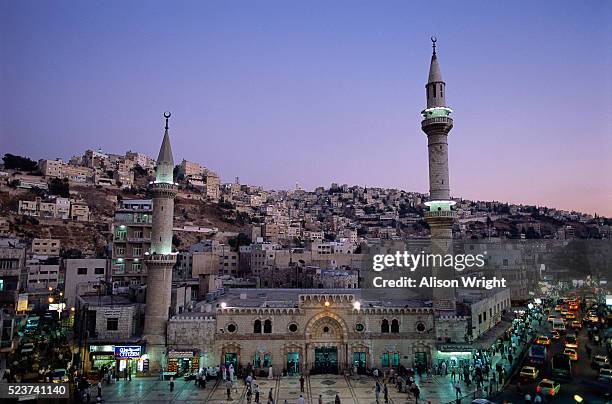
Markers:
451,356
183,362
101,357
129,360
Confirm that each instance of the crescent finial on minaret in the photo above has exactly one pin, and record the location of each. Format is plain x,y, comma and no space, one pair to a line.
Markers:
433,43
167,115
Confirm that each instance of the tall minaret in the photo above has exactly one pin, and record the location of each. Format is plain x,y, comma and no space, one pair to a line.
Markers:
436,124
160,259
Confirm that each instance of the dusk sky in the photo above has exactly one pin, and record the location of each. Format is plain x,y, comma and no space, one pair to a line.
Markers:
322,91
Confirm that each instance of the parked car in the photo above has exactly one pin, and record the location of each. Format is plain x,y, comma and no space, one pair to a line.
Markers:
600,361
605,374
59,376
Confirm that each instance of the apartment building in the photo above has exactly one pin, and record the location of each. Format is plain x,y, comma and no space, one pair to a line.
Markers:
83,276
41,277
51,168
131,240
212,188
12,263
141,159
190,169
46,246
79,211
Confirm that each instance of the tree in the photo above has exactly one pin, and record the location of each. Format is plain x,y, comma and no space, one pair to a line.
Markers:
59,187
14,162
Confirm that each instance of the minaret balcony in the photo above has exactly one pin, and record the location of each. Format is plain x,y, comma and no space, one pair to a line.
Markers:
160,259
437,120
441,213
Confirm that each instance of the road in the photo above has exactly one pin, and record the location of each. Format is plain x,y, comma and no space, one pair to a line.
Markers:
581,371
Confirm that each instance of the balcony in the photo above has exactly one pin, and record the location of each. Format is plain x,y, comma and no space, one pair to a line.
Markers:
139,239
159,259
444,120
441,213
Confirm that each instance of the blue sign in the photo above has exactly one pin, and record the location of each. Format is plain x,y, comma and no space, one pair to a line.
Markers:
132,351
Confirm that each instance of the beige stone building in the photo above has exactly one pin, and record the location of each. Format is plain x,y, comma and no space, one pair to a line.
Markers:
305,331
46,246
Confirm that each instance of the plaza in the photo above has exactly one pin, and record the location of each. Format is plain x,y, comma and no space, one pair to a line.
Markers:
354,389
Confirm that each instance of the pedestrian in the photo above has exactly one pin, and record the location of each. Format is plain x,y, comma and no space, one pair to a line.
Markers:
337,400
386,393
130,373
99,389
377,391
171,384
257,395
320,399
228,389
453,375
270,397
302,383
300,399
249,394
417,393
457,389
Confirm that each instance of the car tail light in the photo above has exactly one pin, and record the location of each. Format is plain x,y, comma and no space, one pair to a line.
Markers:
552,392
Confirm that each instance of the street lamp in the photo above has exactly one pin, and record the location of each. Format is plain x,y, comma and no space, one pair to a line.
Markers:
50,299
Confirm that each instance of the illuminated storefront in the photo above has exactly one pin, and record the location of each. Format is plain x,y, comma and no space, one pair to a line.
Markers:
101,356
130,357
183,362
453,355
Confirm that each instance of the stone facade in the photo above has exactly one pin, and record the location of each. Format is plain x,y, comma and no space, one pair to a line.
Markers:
273,326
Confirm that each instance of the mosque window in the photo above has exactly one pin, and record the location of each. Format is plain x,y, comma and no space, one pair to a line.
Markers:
384,327
359,327
231,328
267,328
293,327
434,90
395,326
257,327
420,327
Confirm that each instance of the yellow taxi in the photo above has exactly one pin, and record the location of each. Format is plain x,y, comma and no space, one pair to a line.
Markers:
548,387
571,353
529,373
543,340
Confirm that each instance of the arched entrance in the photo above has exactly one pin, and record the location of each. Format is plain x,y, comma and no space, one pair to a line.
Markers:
326,347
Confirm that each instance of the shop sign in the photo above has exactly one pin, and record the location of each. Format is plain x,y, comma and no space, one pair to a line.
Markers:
101,348
180,354
455,348
131,351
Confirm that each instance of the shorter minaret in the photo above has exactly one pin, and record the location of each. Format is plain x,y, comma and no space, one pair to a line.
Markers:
160,258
